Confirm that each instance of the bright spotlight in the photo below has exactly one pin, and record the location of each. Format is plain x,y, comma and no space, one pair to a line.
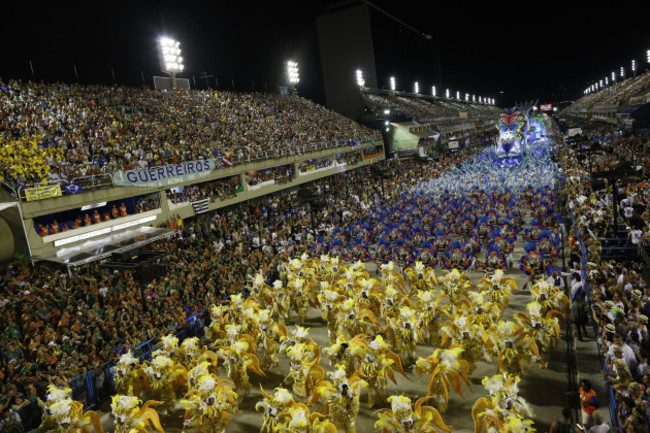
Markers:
392,83
293,76
360,81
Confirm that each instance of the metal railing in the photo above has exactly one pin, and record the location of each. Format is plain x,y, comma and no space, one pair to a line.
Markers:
87,183
92,389
613,406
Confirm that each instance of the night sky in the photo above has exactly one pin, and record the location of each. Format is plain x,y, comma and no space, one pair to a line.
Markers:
531,50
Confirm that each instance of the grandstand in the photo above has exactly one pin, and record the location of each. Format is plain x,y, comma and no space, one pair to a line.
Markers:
138,224
436,121
625,103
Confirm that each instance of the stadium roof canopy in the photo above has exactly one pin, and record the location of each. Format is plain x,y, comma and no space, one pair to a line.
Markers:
103,248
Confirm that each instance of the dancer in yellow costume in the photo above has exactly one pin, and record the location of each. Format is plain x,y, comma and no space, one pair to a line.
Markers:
62,414
341,398
446,369
129,415
405,417
377,367
210,404
238,359
280,401
503,409
164,378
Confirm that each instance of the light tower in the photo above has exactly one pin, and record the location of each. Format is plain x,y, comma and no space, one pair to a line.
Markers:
170,57
293,76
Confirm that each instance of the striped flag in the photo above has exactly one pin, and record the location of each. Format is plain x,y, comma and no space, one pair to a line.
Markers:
201,206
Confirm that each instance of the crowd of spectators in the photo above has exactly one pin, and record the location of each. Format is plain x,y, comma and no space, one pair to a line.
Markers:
56,327
282,174
49,226
426,111
623,92
614,292
371,151
349,158
315,164
66,131
221,188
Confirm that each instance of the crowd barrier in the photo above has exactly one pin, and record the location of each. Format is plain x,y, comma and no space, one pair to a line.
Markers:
97,386
613,407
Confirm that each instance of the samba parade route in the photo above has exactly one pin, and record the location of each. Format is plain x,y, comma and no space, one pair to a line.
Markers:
365,344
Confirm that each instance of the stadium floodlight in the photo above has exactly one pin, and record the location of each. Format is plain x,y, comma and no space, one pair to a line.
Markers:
613,77
467,97
360,81
473,98
622,72
458,94
416,87
607,81
392,84
647,56
480,99
633,65
293,75
170,56
447,93
601,83
433,90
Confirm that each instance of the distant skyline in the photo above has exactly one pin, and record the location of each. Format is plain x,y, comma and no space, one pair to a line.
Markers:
550,54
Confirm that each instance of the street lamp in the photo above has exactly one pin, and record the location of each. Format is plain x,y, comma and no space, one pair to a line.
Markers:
392,83
170,56
360,81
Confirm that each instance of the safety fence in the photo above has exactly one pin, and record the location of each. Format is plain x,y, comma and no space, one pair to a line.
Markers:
97,386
